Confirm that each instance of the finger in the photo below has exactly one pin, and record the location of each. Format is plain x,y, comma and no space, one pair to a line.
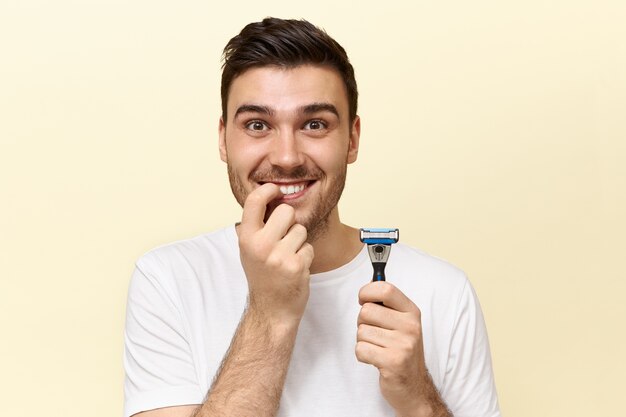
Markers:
294,239
376,335
307,253
369,353
279,223
388,294
380,316
255,206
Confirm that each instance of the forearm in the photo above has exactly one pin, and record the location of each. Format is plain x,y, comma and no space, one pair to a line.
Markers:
251,378
429,404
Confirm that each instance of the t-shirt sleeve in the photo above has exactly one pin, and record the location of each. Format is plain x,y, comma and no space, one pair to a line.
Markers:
158,363
469,387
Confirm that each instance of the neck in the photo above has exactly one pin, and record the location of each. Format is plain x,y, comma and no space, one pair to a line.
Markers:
336,246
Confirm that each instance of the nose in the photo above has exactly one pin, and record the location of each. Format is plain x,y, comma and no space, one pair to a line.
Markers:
286,152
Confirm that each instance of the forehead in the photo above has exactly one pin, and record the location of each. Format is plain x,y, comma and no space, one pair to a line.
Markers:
286,89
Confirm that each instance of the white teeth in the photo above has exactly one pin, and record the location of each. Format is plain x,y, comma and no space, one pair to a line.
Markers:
291,189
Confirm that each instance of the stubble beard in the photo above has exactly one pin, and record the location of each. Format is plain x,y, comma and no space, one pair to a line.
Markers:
317,221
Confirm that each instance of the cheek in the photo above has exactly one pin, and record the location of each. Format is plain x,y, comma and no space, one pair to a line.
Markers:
244,157
330,159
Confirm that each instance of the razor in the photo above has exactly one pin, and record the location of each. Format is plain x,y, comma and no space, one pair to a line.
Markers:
379,243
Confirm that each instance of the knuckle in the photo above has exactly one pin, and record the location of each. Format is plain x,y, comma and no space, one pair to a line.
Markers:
417,313
369,309
249,246
415,329
408,346
307,259
368,312
292,266
387,290
360,350
365,311
274,260
251,239
361,332
362,291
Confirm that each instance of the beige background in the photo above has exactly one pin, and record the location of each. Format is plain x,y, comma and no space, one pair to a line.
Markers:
493,135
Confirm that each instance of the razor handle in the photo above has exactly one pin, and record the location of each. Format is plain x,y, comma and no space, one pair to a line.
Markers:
379,275
379,271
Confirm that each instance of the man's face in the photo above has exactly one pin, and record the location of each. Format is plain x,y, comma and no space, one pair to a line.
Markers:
290,127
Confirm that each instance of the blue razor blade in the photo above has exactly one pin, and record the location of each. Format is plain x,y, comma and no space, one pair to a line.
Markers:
379,236
379,241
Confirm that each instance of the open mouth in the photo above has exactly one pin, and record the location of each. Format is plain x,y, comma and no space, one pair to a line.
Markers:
292,189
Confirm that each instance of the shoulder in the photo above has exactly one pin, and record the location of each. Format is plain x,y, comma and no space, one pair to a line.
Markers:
180,262
189,252
180,271
428,268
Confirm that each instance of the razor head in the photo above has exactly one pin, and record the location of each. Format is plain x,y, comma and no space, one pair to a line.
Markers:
380,236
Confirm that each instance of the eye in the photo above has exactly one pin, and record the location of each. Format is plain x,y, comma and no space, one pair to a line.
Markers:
314,125
257,125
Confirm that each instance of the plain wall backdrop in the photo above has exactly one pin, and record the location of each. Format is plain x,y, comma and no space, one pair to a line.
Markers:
494,136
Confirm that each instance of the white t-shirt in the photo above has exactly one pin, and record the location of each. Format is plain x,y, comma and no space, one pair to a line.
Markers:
186,299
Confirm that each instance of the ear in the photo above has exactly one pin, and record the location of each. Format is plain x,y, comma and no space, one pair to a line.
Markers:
355,134
222,141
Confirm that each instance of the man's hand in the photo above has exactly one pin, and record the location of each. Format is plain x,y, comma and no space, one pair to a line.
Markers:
275,257
276,260
389,336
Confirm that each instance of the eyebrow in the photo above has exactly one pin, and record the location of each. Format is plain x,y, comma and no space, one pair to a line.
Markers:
253,108
319,107
307,109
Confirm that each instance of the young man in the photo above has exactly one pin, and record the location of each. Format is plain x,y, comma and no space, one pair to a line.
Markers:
275,316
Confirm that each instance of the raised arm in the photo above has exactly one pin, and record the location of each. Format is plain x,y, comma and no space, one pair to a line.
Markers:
276,260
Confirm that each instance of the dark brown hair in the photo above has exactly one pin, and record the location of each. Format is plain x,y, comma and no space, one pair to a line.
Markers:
287,44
